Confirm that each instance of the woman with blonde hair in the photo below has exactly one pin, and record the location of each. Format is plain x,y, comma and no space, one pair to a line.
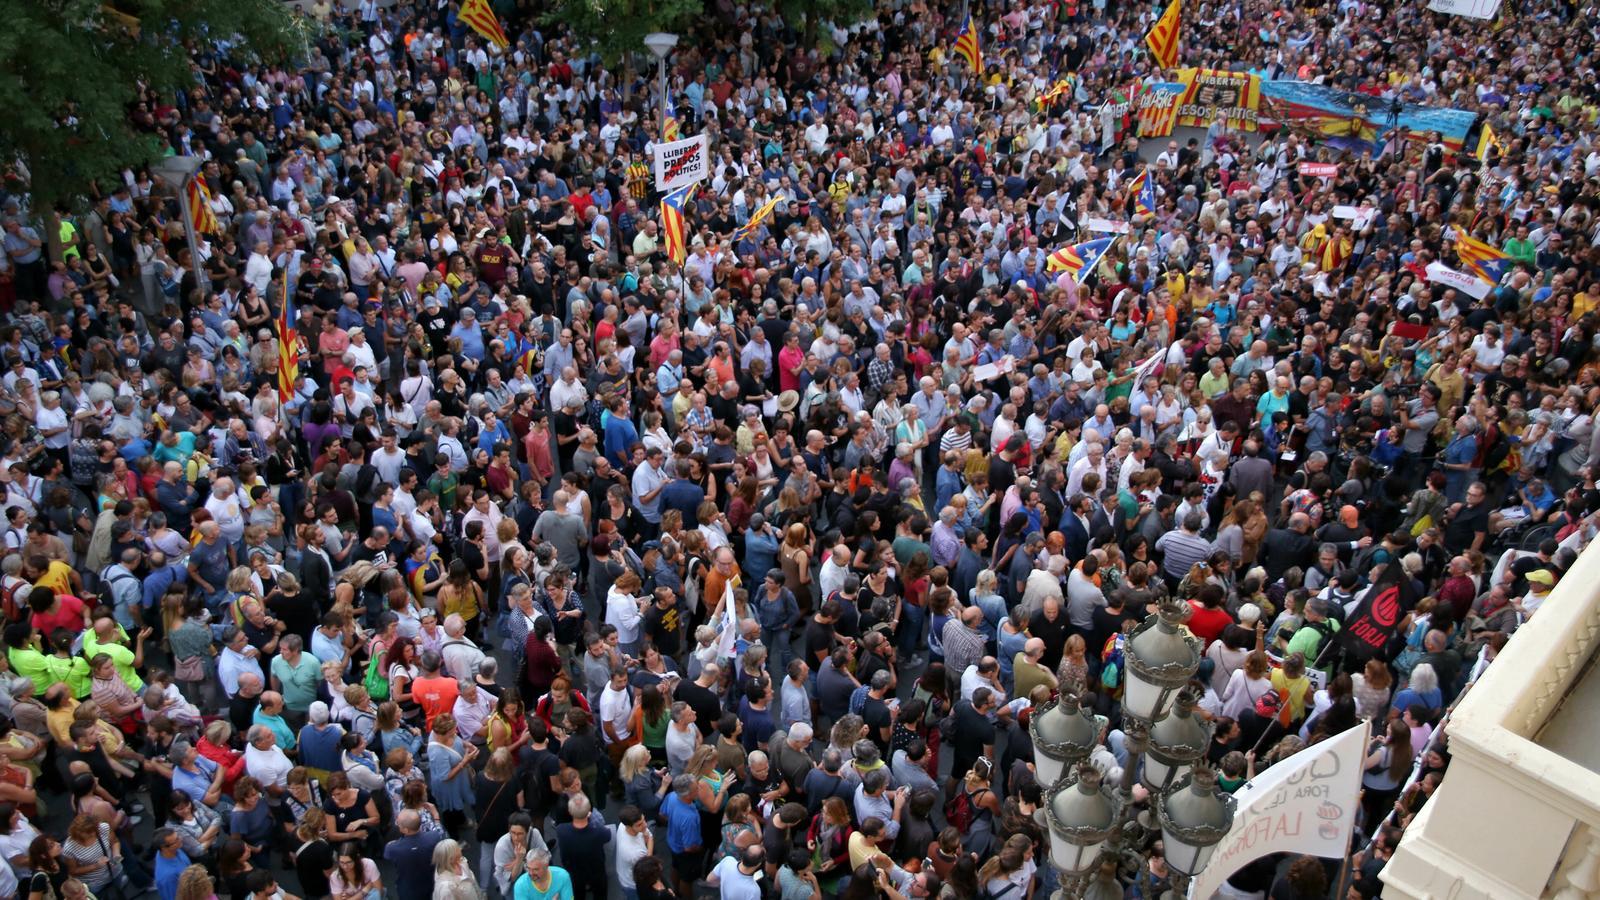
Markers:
642,786
711,788
452,878
1012,867
195,884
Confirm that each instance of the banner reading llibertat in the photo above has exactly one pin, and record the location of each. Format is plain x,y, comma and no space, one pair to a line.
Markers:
1213,94
1304,804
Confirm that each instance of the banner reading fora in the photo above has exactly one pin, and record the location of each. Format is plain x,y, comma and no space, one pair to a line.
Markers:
682,162
1304,804
1212,94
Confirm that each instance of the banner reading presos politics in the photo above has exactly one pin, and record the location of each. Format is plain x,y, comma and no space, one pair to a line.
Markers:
682,162
1305,804
1212,94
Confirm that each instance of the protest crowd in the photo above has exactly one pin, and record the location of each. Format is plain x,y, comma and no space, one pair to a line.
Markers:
483,526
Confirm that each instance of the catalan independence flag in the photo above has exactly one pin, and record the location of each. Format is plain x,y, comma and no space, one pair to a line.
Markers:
1062,87
672,130
479,15
200,214
1079,259
1481,258
288,345
1143,191
748,229
1163,37
674,227
967,46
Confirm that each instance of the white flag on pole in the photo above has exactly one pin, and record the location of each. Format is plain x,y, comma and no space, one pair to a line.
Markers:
728,628
1305,804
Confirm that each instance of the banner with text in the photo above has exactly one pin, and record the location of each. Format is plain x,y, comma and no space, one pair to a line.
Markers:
1304,804
1158,108
1471,285
1472,9
682,162
1213,94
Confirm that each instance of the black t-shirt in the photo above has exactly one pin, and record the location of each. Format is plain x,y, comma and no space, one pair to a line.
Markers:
311,863
298,615
1054,634
583,849
537,767
1467,523
974,731
875,713
818,641
704,703
664,627
97,761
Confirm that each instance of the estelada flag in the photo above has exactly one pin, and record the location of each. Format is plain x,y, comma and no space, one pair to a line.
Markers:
479,15
674,227
1373,627
1163,36
967,48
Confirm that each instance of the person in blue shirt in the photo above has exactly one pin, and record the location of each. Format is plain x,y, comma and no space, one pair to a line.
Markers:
170,862
621,435
760,545
542,881
492,432
684,840
412,856
470,334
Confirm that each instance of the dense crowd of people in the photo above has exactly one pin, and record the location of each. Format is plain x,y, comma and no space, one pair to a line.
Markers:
562,568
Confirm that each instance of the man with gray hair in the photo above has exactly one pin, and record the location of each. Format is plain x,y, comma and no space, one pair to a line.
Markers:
582,843
876,712
297,675
684,840
266,762
459,655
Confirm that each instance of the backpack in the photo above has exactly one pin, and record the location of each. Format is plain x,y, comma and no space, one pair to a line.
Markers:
960,811
377,686
986,894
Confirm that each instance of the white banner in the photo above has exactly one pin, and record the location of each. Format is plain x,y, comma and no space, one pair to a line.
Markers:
682,162
1105,226
1472,9
1471,285
1305,804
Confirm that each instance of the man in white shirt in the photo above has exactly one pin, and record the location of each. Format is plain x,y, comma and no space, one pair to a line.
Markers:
225,509
265,762
616,712
461,656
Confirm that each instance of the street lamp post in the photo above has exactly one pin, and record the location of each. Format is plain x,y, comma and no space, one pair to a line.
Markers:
176,171
1064,734
1195,816
1176,742
661,44
1089,824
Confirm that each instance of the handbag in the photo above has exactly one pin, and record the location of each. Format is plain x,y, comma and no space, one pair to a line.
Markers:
190,669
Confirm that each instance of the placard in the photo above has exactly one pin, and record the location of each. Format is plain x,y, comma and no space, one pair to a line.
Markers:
682,162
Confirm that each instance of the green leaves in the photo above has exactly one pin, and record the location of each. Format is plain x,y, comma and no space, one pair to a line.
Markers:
71,71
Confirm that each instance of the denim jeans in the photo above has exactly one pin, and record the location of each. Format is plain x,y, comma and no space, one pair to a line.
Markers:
778,651
910,636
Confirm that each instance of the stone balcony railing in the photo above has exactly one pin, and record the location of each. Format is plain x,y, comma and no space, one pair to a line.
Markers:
1518,812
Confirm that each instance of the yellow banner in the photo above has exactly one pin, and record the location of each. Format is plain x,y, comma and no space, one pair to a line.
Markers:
1213,94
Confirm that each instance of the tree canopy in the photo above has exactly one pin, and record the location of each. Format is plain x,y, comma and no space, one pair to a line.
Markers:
72,72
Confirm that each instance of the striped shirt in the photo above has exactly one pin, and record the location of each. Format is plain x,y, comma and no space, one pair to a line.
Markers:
1180,551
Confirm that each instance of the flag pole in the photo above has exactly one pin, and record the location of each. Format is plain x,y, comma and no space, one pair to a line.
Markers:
1350,839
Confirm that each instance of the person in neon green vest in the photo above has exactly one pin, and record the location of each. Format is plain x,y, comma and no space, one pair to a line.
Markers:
107,637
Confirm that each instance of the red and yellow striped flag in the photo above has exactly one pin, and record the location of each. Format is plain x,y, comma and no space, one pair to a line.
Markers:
674,227
200,214
480,16
288,345
1163,37
967,46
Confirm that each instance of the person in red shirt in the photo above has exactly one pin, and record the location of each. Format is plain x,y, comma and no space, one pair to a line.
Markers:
433,690
52,611
1209,618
